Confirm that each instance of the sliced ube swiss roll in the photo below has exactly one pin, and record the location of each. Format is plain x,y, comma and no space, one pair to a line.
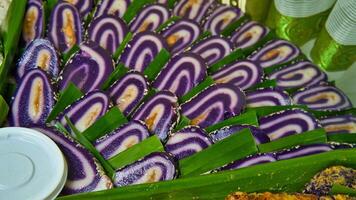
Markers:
243,74
181,34
88,69
299,75
250,161
150,18
112,7
40,53
121,139
194,10
33,100
108,31
288,122
248,35
187,142
181,74
65,28
216,103
84,172
221,17
275,52
85,111
258,134
212,49
267,97
159,113
323,97
142,49
84,6
128,91
301,151
339,124
155,167
33,23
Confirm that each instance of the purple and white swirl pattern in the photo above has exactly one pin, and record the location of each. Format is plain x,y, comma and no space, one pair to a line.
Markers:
286,123
193,9
187,142
84,6
250,161
212,49
339,124
267,97
213,105
181,74
323,97
243,74
112,7
301,151
33,23
248,34
121,139
227,131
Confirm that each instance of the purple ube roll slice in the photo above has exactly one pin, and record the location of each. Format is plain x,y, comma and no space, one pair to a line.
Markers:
141,50
267,97
121,139
88,69
112,7
187,142
108,31
65,28
84,172
286,123
194,10
33,100
40,53
323,97
181,34
85,111
159,113
150,18
258,134
221,17
33,23
298,75
339,124
301,151
212,49
216,103
181,74
155,167
275,52
128,91
84,6
248,35
250,161
243,74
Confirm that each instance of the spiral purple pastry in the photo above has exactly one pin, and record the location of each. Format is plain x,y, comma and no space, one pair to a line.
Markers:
298,75
286,123
155,167
267,97
339,124
159,113
181,34
128,91
275,52
121,139
112,7
258,134
187,142
323,98
85,111
248,35
221,17
108,31
40,53
250,161
216,103
301,151
192,9
150,18
181,74
243,74
88,69
33,23
33,100
84,172
141,50
65,28
84,6
212,49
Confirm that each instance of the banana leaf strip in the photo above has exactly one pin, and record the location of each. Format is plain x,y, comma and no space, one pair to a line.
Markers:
267,110
157,64
170,21
134,7
197,89
122,46
4,110
67,55
233,26
342,138
118,72
183,122
233,56
264,84
340,189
